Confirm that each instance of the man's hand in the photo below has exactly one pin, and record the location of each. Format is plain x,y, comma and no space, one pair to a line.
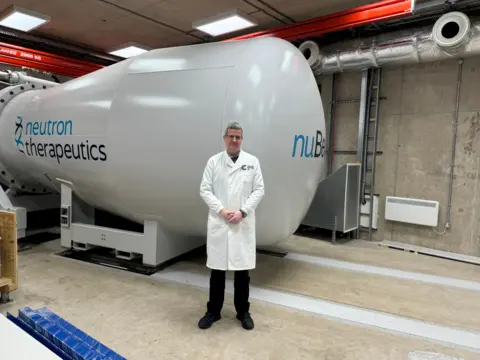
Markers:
226,214
236,217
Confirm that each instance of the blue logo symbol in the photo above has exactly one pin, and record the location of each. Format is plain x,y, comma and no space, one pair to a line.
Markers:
309,146
19,134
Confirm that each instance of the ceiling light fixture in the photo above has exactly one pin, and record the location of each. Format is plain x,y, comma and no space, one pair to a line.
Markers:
225,23
129,50
22,19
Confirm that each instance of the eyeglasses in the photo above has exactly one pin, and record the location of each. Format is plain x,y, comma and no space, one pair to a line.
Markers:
236,137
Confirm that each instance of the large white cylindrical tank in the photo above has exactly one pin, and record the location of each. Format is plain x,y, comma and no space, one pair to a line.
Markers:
134,137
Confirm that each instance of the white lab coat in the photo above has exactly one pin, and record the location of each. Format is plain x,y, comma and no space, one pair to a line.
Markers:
234,186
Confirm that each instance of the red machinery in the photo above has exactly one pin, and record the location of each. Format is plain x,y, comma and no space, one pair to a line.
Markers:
19,56
368,14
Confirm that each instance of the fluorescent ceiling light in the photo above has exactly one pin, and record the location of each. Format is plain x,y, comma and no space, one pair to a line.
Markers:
129,50
225,23
22,19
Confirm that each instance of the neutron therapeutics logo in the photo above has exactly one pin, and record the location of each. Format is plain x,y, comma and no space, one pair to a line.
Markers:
56,139
19,134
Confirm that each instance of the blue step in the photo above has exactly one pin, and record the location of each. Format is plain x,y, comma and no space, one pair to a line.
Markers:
60,336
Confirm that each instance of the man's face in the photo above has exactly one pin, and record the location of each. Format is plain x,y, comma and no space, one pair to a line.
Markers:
233,141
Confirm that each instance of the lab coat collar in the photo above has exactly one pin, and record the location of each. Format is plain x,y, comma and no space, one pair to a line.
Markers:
234,165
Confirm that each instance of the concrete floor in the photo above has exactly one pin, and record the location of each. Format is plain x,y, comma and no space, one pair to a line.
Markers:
143,318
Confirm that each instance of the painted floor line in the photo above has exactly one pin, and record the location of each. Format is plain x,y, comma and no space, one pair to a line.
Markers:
445,334
401,274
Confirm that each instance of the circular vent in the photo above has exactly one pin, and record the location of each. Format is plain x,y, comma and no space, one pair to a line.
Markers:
311,52
451,30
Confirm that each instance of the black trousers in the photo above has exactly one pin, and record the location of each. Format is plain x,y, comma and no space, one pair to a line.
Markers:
217,291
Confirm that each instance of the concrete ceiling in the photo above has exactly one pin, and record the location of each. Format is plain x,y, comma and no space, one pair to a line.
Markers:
105,24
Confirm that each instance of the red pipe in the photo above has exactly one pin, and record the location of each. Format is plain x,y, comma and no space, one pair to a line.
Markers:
367,14
19,56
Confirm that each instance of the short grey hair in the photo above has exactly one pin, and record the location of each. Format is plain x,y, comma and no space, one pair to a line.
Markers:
234,126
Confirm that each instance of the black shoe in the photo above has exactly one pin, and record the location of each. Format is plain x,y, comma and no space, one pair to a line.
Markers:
246,320
207,320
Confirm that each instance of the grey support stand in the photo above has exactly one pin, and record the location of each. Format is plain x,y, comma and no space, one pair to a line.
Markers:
154,245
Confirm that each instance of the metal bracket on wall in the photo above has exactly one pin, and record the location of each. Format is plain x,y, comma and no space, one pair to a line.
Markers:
350,101
354,152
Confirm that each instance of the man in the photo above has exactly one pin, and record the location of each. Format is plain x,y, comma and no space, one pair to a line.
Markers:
232,187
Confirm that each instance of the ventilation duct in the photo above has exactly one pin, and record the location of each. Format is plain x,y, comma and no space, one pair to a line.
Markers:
453,36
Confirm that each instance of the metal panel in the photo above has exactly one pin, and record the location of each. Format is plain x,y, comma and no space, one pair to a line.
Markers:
352,199
335,205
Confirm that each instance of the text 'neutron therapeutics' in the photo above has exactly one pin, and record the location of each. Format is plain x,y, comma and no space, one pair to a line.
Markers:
28,142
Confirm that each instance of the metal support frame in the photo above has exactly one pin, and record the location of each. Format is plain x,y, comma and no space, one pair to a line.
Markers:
334,230
362,15
154,245
375,143
368,117
361,143
366,133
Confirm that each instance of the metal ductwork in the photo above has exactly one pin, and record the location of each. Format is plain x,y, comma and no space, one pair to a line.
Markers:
17,77
452,36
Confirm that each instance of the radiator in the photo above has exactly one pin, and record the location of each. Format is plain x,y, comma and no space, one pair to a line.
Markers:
413,211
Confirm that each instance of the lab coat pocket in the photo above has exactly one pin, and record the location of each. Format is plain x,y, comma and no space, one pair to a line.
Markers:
247,183
247,178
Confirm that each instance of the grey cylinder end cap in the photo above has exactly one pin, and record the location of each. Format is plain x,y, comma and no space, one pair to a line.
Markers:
463,23
315,58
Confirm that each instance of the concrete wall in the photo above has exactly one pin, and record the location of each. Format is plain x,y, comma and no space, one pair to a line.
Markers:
415,135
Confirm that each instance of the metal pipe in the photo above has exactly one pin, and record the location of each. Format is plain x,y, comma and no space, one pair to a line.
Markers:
16,77
361,118
421,7
23,78
364,160
453,36
454,144
353,152
361,139
331,126
5,76
425,7
361,142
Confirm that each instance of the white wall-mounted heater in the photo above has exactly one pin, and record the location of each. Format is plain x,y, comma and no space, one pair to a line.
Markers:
413,211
